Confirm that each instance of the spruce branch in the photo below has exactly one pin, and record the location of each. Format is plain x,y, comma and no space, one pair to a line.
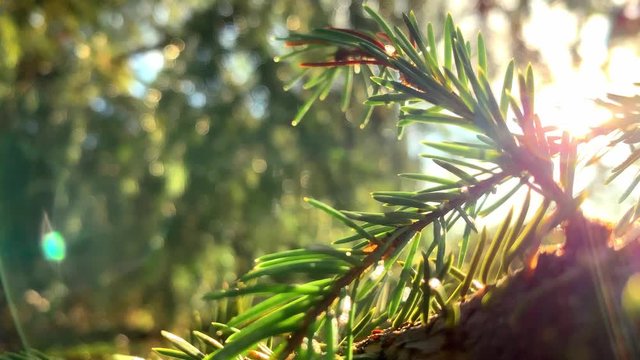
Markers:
403,72
397,239
403,68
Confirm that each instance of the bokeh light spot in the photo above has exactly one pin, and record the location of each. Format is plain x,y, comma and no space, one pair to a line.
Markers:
202,126
631,295
293,22
171,52
83,51
259,165
54,247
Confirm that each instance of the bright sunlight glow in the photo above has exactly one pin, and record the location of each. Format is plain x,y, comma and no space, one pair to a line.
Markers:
581,67
578,60
583,62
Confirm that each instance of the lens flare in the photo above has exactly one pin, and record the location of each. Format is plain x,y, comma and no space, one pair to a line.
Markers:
54,247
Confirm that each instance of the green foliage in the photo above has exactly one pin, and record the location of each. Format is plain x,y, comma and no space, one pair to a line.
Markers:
152,178
30,354
405,69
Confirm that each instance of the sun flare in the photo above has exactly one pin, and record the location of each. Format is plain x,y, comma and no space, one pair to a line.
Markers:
582,63
566,106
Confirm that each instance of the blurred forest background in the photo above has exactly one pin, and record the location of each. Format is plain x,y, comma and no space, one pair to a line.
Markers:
154,137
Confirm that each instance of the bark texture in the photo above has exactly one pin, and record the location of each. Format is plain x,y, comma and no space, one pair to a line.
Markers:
569,306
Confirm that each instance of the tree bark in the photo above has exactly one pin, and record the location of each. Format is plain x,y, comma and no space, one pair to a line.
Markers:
576,305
